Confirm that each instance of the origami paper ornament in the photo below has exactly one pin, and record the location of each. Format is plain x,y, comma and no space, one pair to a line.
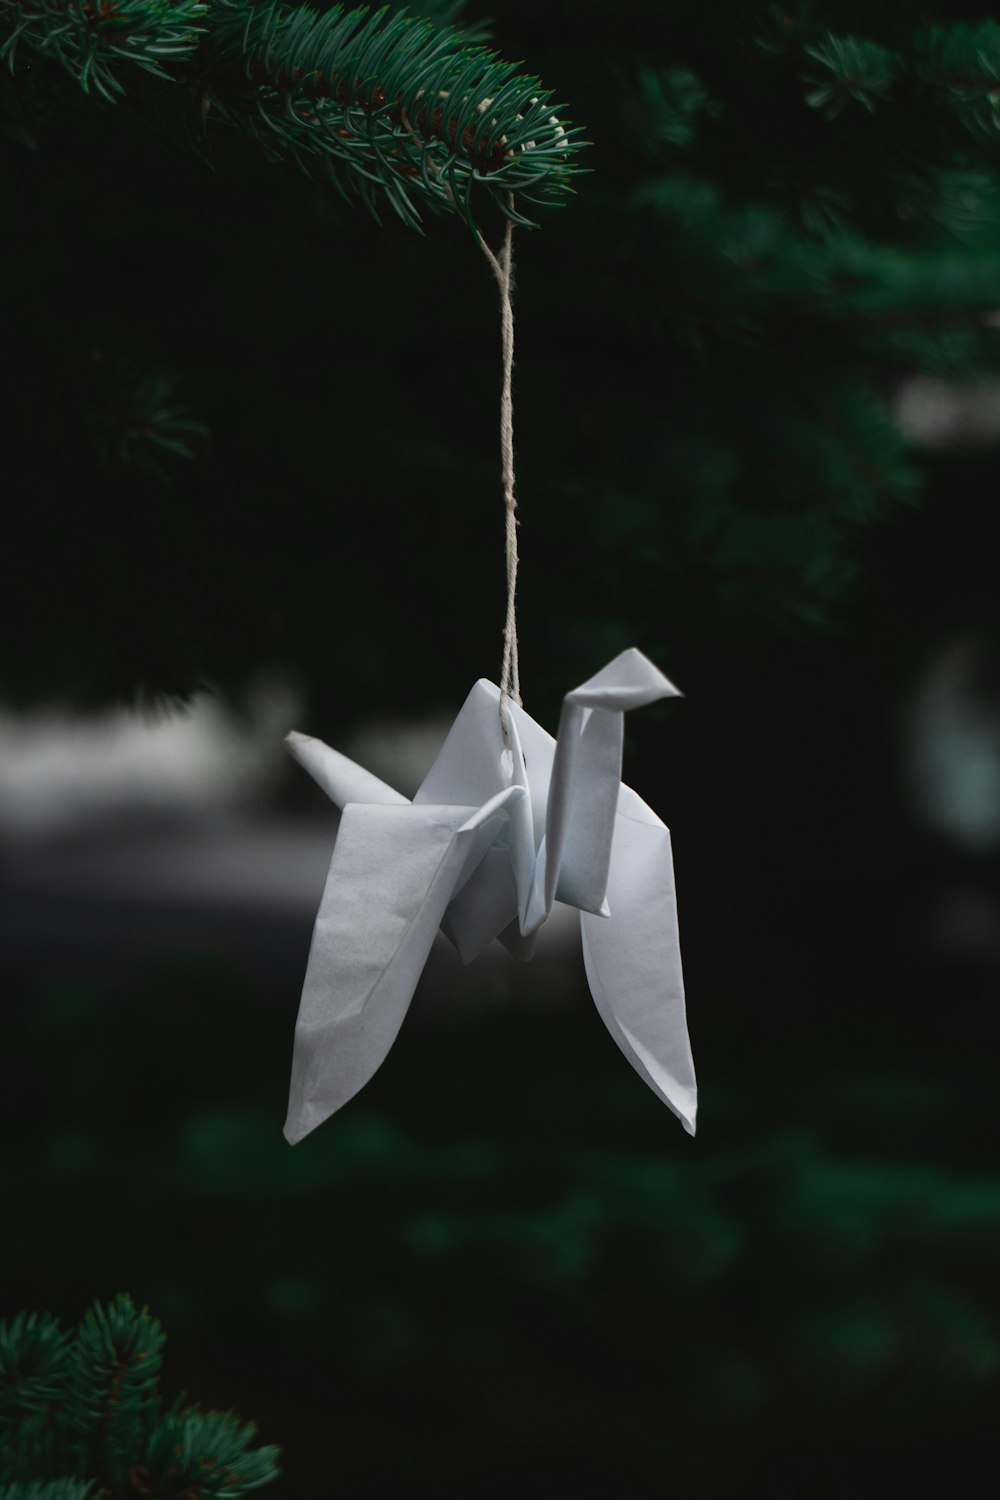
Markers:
495,835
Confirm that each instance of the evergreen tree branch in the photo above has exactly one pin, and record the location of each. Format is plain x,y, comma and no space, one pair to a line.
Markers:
114,1367
81,1419
205,1453
384,105
95,40
32,1364
33,1381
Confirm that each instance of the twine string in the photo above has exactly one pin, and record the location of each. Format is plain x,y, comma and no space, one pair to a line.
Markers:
502,265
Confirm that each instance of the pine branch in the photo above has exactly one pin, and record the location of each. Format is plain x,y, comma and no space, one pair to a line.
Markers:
382,104
32,1363
85,1416
93,39
33,1380
205,1453
112,1396
388,104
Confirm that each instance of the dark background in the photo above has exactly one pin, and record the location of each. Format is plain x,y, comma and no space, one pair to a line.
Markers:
504,1269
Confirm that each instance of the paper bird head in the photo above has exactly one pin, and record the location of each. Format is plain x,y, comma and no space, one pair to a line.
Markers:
494,836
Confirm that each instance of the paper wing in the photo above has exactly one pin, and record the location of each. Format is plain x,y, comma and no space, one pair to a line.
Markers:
394,870
633,959
342,780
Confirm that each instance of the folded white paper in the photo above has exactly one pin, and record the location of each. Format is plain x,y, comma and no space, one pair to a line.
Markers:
494,836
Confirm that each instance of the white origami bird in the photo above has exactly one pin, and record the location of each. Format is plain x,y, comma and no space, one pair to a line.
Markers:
492,838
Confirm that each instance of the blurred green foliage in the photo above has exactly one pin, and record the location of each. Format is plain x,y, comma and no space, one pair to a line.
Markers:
505,1239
